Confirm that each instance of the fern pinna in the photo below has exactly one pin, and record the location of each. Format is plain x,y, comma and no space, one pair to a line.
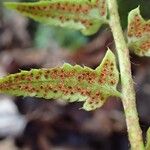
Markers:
71,83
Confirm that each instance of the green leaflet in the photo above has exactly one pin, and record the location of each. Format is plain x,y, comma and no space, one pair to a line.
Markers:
84,15
138,33
147,147
71,83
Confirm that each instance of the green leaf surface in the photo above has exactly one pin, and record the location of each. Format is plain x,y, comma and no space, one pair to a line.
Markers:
147,147
138,33
84,15
70,83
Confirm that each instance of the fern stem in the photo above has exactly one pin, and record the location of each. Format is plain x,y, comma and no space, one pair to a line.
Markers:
128,92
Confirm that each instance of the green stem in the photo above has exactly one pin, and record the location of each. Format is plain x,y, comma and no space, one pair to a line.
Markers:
128,92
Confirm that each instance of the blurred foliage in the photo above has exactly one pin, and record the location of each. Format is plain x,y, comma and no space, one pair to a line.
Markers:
67,38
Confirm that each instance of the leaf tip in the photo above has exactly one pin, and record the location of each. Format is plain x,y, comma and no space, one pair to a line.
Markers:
138,33
109,52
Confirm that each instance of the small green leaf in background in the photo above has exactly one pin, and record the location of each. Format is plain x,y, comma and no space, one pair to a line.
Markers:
83,15
147,147
138,33
71,83
45,37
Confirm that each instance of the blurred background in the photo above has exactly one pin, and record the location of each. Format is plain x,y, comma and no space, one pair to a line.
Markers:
36,124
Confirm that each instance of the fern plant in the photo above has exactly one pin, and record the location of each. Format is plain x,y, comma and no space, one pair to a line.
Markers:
76,83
